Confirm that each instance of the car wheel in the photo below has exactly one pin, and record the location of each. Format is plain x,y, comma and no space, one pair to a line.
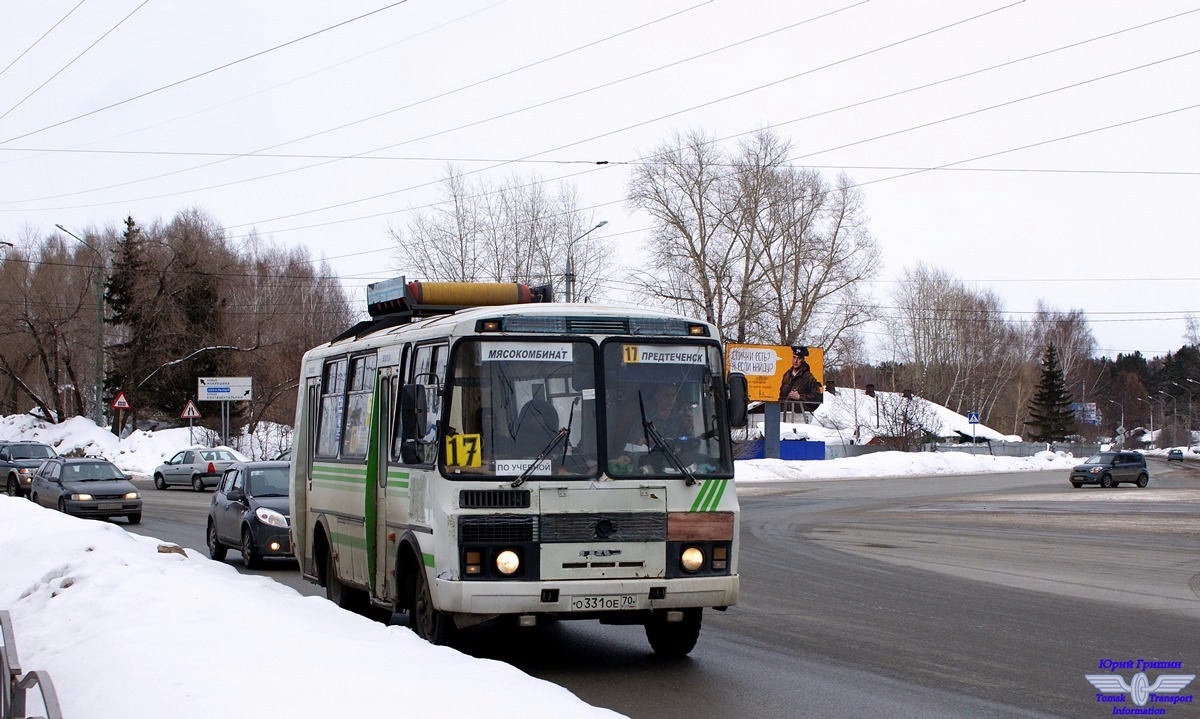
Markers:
198,484
62,505
1106,481
426,621
216,550
674,640
159,482
135,518
14,488
1076,485
1143,480
250,557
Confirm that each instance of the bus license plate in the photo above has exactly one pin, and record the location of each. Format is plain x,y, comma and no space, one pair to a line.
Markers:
108,507
585,603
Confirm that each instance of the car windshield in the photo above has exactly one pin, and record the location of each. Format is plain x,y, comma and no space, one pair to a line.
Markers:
270,482
32,451
1101,458
91,472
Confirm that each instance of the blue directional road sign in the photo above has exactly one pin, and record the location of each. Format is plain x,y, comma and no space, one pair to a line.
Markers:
973,417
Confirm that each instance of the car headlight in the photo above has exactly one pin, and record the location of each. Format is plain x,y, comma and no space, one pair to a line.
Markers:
24,470
271,517
691,559
507,562
1095,470
81,497
131,495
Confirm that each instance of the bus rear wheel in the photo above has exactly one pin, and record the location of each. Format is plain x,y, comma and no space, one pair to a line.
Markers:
426,621
674,640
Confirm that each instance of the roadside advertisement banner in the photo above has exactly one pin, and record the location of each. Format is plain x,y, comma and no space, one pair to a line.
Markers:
778,373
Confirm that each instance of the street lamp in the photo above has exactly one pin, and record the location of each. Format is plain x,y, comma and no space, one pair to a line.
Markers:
97,406
570,275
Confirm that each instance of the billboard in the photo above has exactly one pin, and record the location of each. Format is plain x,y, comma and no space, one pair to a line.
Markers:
778,373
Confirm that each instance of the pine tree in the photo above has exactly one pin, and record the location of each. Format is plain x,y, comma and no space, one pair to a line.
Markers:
1050,416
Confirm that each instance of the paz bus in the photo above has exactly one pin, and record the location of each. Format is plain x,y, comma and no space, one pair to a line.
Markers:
476,452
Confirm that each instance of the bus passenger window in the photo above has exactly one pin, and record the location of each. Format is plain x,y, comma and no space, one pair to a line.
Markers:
329,428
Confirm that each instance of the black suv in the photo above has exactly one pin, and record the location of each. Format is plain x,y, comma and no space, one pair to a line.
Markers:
1108,469
18,462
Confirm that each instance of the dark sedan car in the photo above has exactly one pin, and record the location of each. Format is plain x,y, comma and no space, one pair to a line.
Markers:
1175,455
249,511
1108,469
86,487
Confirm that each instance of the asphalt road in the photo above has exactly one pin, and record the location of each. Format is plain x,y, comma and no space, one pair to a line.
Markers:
983,596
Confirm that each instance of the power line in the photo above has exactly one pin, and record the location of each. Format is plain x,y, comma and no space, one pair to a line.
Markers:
72,60
43,37
343,126
227,65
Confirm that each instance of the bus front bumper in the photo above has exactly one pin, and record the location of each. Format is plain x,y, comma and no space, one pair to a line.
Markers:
584,597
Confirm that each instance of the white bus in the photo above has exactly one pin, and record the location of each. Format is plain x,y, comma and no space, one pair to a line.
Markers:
472,453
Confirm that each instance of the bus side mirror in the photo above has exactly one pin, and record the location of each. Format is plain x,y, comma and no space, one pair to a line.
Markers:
737,399
414,415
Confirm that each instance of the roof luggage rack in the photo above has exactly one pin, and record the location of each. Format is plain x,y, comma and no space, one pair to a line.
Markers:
396,302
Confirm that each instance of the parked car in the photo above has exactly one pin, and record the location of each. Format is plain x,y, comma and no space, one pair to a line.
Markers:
18,462
249,511
1174,455
86,487
201,468
1108,469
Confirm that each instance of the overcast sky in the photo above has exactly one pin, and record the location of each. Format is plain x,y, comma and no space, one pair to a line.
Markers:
1063,163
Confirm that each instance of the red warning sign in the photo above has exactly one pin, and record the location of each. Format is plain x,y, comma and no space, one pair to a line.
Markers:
120,402
190,411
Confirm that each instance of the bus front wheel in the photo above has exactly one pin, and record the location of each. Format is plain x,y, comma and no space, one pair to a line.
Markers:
426,621
674,640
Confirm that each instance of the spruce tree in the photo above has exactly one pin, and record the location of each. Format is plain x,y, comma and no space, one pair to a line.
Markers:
1050,416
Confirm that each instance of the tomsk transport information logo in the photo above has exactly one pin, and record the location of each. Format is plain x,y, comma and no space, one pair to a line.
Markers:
1164,690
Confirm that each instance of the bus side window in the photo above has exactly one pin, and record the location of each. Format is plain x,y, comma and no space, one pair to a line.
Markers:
329,427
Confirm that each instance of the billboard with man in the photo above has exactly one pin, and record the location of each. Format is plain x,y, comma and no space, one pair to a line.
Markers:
778,373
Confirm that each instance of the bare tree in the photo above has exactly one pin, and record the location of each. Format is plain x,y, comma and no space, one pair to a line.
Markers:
519,231
766,251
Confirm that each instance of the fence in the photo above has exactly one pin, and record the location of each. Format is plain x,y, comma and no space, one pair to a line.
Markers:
12,694
1017,449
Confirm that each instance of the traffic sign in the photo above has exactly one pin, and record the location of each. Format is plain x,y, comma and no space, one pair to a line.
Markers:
120,402
190,411
224,389
973,417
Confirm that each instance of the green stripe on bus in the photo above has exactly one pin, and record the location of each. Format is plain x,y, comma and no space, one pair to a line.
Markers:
397,479
706,488
348,540
721,485
427,558
342,486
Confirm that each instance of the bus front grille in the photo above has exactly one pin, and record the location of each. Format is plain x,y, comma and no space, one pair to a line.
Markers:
494,499
485,530
603,527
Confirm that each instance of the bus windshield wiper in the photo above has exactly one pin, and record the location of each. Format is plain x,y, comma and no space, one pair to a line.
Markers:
660,442
558,437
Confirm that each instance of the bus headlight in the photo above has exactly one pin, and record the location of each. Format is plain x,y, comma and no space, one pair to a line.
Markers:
691,559
507,562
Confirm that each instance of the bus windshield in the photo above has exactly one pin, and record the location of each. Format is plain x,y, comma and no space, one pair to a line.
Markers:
522,407
663,411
